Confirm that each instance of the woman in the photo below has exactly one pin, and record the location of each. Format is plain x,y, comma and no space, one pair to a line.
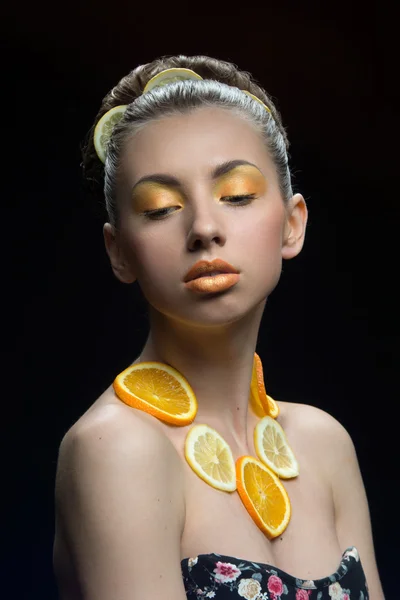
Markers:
197,170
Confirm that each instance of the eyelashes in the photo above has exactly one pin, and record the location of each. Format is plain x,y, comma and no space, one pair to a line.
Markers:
240,200
162,213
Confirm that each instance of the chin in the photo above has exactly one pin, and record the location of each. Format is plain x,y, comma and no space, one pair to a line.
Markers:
212,310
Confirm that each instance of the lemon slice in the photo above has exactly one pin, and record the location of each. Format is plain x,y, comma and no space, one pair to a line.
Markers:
104,127
158,389
211,458
169,76
273,449
257,100
272,407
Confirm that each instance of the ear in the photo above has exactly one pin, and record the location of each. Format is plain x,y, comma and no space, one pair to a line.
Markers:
295,227
121,268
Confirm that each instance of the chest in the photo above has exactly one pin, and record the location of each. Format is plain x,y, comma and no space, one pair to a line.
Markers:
218,522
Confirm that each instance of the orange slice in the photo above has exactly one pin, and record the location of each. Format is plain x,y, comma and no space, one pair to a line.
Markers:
104,128
261,403
273,449
263,495
158,389
256,404
211,457
169,76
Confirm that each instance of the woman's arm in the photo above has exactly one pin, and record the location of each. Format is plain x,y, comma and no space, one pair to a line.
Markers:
120,501
352,518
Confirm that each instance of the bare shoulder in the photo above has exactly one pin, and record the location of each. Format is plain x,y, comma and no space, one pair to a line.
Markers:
113,432
112,438
320,428
331,446
306,414
120,504
319,437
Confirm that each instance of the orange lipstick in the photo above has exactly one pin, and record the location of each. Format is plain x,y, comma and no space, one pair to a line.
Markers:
211,276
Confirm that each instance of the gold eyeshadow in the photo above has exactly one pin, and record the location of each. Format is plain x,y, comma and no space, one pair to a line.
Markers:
241,181
154,196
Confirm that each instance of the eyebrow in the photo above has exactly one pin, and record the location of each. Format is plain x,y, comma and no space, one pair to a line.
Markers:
169,180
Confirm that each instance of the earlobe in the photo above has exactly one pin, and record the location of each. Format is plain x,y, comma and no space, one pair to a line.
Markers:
295,227
120,267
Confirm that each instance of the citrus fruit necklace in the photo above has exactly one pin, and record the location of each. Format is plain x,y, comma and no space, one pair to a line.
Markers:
160,390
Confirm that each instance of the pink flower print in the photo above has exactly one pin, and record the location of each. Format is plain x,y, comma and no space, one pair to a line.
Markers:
302,594
226,572
275,585
345,597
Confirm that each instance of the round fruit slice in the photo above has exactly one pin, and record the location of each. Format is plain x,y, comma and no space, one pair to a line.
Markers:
211,457
169,76
263,495
273,407
273,449
256,406
261,403
158,389
103,129
257,100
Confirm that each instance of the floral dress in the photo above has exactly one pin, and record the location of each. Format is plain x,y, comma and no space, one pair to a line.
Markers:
216,576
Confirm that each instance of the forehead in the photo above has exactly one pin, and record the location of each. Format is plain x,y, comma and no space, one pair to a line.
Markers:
188,146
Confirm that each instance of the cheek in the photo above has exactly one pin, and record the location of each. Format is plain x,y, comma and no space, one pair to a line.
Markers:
261,244
152,255
262,231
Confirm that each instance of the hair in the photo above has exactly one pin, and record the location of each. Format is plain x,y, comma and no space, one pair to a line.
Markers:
221,87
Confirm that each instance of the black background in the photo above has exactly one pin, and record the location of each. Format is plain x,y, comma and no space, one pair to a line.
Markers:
329,334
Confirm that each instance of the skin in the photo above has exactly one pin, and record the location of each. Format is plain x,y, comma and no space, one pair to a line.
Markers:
129,508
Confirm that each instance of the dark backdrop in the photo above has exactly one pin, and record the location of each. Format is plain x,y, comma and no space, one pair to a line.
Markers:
329,334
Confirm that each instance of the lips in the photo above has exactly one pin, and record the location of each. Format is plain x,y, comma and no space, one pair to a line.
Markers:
203,267
210,277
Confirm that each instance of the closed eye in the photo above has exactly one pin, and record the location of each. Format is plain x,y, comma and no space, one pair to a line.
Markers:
160,213
240,200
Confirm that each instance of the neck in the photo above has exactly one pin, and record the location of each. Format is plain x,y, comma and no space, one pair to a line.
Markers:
217,362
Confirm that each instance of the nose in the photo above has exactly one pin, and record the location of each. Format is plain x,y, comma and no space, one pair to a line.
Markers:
206,228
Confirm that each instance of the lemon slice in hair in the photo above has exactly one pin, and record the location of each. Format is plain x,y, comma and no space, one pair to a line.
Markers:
103,129
257,100
169,76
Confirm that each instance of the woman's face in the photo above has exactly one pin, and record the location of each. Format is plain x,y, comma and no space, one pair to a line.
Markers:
197,187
